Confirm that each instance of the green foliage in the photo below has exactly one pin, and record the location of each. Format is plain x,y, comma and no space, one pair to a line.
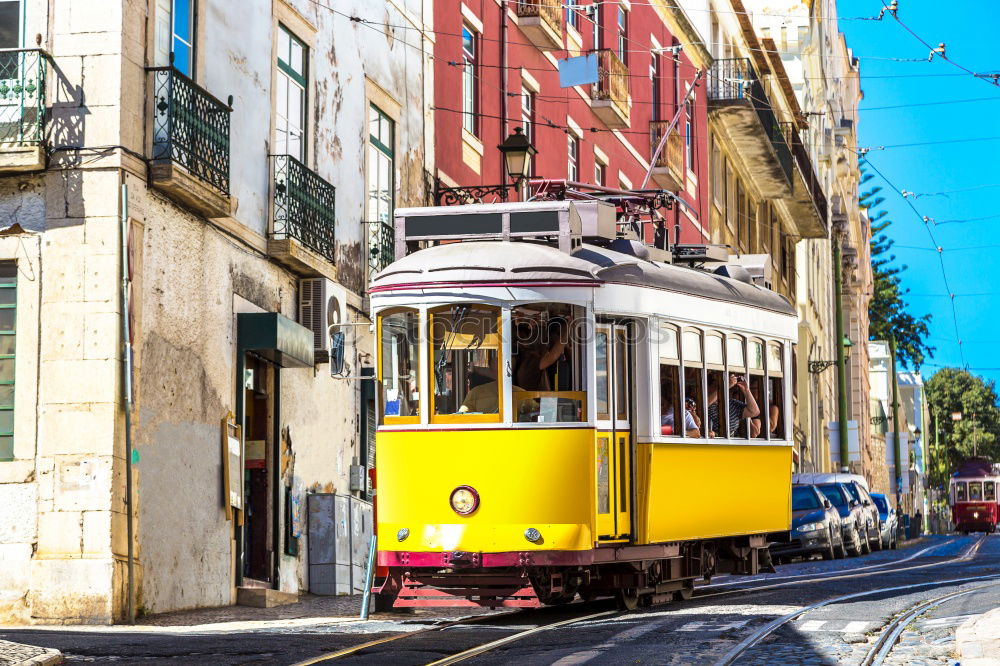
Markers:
888,312
953,390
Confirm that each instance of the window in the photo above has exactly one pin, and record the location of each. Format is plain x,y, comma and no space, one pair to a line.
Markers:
10,24
835,494
689,136
399,365
776,394
600,173
381,169
182,36
989,491
720,420
291,96
716,169
960,492
805,498
602,383
623,34
572,157
528,121
694,396
688,424
547,361
8,318
975,491
465,361
737,367
597,39
572,17
755,368
470,80
654,85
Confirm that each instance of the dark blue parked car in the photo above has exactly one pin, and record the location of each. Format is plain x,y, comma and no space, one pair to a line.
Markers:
815,527
887,520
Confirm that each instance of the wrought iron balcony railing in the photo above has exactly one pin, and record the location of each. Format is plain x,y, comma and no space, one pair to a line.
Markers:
612,80
734,80
303,207
190,127
672,155
22,95
381,247
548,10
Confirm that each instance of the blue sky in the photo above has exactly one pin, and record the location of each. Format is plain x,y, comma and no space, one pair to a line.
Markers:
969,245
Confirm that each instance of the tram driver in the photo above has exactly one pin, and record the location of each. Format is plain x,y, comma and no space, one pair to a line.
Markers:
739,410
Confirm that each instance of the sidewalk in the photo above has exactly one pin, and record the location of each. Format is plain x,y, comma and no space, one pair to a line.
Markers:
978,640
19,654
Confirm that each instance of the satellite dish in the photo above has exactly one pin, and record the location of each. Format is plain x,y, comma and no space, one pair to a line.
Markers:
337,346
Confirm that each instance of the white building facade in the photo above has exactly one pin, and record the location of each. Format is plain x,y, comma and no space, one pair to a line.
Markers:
235,170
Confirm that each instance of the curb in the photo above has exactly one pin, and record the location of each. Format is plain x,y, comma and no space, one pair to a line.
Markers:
978,640
20,654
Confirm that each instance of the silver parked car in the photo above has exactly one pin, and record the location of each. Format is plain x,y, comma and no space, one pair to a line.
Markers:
887,520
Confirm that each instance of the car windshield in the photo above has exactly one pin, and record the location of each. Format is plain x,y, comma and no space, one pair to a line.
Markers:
881,503
804,498
835,495
853,491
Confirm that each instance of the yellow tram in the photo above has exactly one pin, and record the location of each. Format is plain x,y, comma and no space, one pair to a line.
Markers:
533,372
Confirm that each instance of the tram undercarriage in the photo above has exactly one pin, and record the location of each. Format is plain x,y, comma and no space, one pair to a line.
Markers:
634,575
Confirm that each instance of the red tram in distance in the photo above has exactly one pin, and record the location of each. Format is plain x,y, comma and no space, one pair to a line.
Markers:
974,506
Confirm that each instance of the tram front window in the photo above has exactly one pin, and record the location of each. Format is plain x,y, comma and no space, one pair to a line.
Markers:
989,491
465,361
399,365
975,491
547,365
960,495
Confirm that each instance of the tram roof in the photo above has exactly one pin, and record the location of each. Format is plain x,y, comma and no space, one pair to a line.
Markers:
507,262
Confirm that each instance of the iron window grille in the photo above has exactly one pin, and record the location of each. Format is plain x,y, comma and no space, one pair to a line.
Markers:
303,206
190,127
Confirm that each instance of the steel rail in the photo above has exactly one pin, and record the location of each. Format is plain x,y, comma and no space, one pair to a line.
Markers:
892,631
740,648
969,554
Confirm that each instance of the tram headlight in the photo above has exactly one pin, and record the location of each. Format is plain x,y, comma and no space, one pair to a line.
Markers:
975,514
464,500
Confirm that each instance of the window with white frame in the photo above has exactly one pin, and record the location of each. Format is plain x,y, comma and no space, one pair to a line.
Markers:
528,120
572,157
623,34
572,17
597,39
8,317
689,135
600,173
470,80
381,189
654,85
290,102
10,24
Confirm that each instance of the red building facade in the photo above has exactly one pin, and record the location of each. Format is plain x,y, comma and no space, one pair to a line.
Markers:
496,68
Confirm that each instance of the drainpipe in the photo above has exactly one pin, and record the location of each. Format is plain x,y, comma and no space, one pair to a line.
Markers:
503,85
841,362
127,395
896,457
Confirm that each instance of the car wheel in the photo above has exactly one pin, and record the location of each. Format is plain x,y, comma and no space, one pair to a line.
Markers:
829,552
866,545
841,549
855,545
877,542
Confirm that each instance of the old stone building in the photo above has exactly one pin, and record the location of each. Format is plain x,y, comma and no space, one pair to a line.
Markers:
234,171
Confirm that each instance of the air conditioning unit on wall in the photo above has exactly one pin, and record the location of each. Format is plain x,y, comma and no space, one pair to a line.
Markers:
322,303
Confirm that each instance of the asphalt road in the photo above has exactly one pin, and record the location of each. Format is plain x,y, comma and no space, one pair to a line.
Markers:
720,618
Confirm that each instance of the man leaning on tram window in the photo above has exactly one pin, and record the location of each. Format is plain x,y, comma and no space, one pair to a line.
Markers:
738,409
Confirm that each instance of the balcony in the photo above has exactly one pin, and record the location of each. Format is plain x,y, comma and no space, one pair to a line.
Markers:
22,109
807,203
609,96
381,247
738,102
669,168
190,154
541,21
303,218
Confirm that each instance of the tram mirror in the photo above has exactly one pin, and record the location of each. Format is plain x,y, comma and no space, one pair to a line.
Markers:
337,345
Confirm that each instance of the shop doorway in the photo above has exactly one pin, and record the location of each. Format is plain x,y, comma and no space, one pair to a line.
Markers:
259,400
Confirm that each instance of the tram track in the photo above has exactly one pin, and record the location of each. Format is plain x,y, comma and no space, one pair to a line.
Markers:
789,581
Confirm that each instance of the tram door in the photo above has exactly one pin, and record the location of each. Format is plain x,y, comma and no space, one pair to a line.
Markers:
614,434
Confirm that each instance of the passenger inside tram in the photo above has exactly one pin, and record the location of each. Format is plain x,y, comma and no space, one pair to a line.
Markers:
547,365
740,409
775,400
669,395
692,386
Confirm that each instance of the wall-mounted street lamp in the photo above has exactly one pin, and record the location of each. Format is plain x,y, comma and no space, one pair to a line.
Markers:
817,367
517,153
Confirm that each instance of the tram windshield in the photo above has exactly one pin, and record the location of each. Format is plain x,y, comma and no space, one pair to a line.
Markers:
465,345
990,491
975,491
547,349
960,492
399,363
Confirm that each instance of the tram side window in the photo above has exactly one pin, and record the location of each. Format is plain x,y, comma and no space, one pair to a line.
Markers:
738,393
989,491
755,358
465,361
547,345
975,491
960,494
720,421
776,394
693,378
399,364
670,389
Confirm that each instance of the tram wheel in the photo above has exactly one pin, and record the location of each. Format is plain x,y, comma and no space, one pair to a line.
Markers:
627,598
685,592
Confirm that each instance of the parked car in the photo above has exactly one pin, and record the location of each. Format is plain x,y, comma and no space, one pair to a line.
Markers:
887,520
857,487
815,527
853,519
